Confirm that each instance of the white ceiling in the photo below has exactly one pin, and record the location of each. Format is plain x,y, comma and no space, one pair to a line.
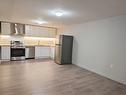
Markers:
77,11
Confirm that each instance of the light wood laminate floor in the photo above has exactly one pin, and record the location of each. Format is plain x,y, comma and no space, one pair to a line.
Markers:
44,77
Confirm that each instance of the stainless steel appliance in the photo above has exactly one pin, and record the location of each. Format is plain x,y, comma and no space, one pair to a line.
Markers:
17,29
30,52
17,50
63,49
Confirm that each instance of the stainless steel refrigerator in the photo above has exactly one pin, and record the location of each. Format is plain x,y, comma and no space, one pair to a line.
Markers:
63,49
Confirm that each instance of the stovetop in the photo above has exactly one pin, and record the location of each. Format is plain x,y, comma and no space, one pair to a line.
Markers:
17,44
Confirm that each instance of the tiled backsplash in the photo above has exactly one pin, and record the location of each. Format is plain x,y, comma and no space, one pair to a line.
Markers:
5,40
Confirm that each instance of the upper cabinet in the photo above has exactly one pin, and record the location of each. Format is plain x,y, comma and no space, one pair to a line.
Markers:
5,28
52,32
37,31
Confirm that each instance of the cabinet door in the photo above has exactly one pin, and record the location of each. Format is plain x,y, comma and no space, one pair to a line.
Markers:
45,51
28,30
34,31
37,31
5,53
52,52
42,52
48,32
37,52
52,33
42,32
5,28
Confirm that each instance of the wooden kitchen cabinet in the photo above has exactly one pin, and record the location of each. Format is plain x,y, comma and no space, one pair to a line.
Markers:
5,53
5,28
42,52
37,31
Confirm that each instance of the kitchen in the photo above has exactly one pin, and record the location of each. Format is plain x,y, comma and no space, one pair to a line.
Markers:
23,41
34,41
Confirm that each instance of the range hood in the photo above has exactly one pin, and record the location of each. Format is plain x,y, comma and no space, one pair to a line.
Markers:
17,29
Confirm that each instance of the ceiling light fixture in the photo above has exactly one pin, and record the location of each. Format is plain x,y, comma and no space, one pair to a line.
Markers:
59,13
39,21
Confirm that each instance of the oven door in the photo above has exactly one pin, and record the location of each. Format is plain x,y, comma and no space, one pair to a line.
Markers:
17,53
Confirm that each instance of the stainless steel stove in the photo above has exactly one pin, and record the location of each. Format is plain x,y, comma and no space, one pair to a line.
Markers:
17,50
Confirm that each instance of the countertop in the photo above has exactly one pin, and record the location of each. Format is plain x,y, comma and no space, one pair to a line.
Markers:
5,45
40,45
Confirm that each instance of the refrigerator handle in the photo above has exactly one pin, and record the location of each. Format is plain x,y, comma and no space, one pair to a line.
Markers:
58,44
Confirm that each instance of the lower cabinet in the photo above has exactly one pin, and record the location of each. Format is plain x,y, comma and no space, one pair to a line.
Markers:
52,52
40,52
5,53
44,52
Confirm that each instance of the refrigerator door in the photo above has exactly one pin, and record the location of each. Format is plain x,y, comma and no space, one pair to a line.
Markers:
67,44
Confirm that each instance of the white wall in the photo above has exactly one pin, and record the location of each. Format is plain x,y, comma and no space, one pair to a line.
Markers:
100,46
